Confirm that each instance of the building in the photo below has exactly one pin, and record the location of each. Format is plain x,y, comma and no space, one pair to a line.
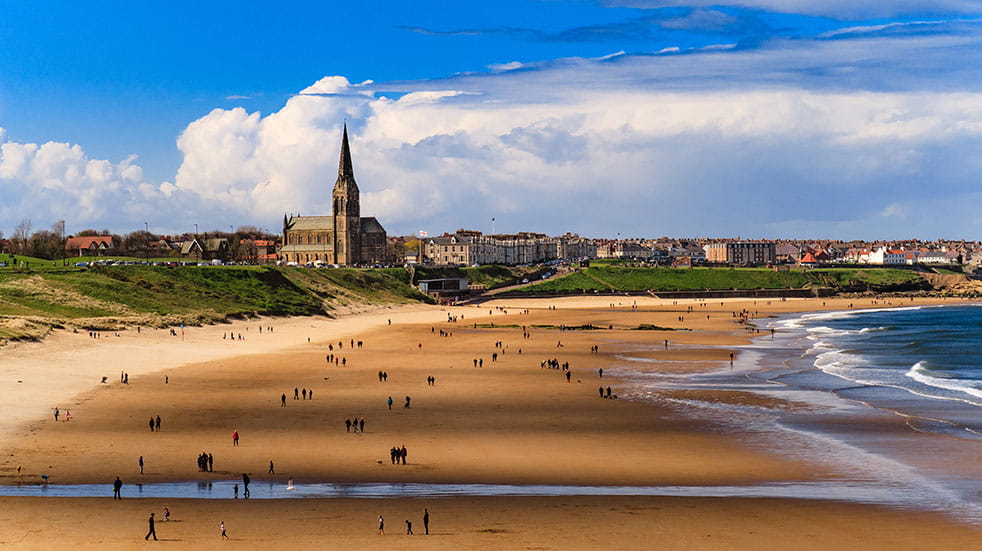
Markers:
444,287
93,245
216,248
468,247
345,238
740,252
887,256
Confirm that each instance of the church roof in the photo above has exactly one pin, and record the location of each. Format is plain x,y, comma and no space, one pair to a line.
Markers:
346,174
370,225
310,223
344,165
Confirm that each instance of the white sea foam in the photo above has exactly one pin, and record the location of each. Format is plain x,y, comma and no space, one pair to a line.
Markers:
873,329
920,373
828,331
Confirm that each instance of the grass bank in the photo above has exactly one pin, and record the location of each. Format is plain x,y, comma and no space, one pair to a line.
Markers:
630,279
110,297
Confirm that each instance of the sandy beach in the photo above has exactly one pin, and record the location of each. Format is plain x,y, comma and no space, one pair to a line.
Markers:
509,421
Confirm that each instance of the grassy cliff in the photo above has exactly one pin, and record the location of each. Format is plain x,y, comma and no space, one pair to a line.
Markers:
106,297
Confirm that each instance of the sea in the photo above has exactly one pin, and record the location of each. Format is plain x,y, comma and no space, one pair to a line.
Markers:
889,399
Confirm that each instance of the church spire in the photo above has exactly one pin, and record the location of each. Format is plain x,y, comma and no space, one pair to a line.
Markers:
344,165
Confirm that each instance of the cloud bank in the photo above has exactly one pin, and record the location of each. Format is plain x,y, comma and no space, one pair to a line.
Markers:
862,136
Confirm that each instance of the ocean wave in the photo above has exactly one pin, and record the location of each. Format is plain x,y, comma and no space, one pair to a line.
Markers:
828,331
839,314
876,329
922,374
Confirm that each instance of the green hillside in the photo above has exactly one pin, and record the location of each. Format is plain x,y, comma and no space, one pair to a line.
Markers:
626,279
104,297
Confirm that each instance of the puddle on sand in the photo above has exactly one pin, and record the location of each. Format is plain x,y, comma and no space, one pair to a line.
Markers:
853,491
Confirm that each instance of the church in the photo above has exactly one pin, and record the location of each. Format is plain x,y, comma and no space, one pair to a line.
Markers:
346,238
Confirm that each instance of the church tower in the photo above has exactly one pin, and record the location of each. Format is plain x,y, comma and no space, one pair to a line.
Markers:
347,210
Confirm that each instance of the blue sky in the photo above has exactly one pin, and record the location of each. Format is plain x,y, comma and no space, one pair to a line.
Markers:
808,118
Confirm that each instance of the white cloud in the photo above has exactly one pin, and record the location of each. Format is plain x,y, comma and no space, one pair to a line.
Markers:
796,138
641,161
831,8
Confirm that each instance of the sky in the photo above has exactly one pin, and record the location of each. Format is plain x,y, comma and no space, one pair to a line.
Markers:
817,119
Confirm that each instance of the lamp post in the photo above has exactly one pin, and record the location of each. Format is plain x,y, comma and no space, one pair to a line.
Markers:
64,253
492,225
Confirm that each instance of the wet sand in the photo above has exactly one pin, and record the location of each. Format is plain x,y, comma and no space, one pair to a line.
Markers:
476,523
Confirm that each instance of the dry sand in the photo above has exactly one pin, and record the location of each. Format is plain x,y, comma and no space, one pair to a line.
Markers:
508,422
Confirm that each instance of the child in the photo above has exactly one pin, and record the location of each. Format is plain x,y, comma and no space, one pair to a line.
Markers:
224,534
166,514
409,527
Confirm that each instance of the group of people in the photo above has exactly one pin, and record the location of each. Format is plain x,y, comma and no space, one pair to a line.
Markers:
398,453
300,394
409,524
233,336
154,423
554,364
68,414
206,462
383,376
357,424
336,360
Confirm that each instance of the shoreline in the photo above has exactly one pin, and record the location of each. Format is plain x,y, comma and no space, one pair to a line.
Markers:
784,397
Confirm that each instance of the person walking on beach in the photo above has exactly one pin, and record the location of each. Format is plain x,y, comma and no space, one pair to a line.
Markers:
56,415
156,422
283,400
151,424
347,425
271,469
361,425
235,438
141,464
426,521
152,531
245,485
211,462
117,486
166,514
407,403
389,401
409,527
221,526
568,375
381,526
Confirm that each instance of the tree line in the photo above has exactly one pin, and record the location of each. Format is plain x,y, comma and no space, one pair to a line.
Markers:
49,244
